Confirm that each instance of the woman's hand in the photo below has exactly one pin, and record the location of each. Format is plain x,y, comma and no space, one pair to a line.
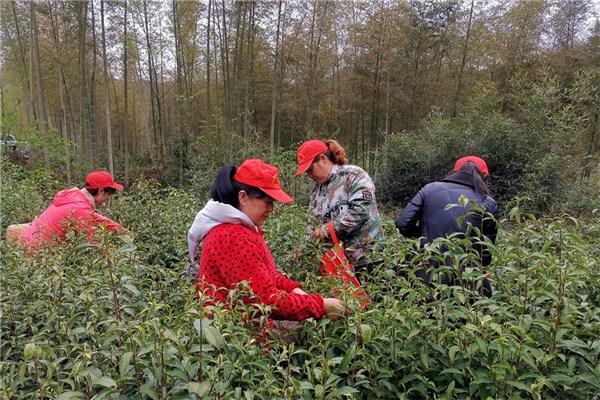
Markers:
319,233
334,308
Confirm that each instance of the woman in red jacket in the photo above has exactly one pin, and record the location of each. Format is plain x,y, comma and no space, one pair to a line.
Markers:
234,250
73,209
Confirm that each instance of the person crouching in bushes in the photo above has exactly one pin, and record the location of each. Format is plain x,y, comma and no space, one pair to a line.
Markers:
429,216
344,195
73,209
233,248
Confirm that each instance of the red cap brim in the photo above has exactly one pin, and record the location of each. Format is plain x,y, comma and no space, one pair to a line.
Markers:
303,167
279,195
116,186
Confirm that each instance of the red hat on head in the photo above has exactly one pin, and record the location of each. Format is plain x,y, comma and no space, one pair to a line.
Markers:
307,153
472,159
100,180
264,176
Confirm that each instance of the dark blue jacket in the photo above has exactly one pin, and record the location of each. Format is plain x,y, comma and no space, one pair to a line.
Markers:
427,216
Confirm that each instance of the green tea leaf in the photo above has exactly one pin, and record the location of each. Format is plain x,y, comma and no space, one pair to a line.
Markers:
105,381
520,385
213,336
149,391
124,364
199,388
70,396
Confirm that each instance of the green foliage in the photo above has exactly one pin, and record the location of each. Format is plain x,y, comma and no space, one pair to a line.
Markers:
114,319
534,138
159,219
23,194
210,154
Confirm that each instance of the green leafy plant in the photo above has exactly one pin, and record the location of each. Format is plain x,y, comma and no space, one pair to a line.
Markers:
114,318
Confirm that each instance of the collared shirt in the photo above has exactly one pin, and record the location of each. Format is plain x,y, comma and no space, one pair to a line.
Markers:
348,199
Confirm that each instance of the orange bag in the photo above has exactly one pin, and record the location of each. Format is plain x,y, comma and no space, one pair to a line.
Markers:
335,264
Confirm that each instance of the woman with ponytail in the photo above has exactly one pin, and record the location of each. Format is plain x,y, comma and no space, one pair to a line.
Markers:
233,249
429,214
344,195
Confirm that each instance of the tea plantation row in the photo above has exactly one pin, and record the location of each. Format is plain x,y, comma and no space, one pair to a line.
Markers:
116,320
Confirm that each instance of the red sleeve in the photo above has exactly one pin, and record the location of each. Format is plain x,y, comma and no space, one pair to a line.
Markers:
238,258
109,223
88,218
284,283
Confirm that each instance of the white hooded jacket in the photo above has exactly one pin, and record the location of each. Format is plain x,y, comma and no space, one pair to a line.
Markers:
213,214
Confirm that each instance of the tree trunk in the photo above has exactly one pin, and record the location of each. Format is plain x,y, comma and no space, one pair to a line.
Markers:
309,91
107,112
238,111
208,60
355,95
29,87
151,76
148,141
224,40
387,102
118,138
82,132
178,91
65,131
160,100
249,79
62,95
125,99
217,94
375,99
274,92
464,60
43,115
280,76
3,133
91,104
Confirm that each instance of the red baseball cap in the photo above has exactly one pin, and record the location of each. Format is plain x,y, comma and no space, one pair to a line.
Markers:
100,180
264,176
472,159
307,153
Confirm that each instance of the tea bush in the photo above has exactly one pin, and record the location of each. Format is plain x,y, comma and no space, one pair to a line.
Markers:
535,144
22,193
116,320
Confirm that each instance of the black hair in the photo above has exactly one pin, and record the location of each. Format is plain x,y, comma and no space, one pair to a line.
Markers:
479,182
108,190
225,189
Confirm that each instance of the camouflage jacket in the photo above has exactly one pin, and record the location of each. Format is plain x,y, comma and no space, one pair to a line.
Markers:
348,199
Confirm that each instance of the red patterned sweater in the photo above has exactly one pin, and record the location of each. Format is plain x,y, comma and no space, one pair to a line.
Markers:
232,253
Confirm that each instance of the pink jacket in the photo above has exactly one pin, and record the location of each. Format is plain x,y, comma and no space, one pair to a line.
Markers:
71,209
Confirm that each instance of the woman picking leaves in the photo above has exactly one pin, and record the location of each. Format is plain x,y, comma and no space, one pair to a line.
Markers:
344,195
431,214
234,250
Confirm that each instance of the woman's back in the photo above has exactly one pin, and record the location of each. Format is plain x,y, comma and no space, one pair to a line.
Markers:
437,218
230,254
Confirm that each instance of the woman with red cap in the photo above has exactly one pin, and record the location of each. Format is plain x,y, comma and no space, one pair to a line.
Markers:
73,209
344,195
233,248
429,216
